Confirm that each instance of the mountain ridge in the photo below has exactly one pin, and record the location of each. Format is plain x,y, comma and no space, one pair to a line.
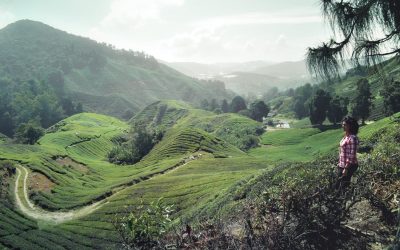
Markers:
78,65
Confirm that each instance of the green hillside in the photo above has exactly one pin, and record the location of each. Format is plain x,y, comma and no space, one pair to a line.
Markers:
345,87
103,79
190,167
201,167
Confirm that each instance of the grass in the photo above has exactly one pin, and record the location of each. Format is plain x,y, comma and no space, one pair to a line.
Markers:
297,144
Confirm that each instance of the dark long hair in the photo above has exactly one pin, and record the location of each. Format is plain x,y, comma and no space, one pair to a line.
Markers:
352,123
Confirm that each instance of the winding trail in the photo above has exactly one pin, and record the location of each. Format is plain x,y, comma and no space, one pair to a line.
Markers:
35,212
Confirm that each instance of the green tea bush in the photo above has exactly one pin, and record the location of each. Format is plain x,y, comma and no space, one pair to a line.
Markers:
143,227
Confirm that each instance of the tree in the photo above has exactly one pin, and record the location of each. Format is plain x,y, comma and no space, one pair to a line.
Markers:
67,106
79,108
355,22
225,106
337,110
29,132
142,143
56,80
318,106
49,109
213,104
138,146
237,104
361,105
258,110
6,123
302,95
204,104
299,108
391,97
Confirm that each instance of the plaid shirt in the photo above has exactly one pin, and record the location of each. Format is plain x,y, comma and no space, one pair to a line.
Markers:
348,151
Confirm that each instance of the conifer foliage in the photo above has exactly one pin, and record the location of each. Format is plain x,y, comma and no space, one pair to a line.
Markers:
355,22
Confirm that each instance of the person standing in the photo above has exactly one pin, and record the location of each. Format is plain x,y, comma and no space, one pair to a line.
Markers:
348,163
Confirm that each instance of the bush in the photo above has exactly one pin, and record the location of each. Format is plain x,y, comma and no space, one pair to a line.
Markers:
143,227
133,150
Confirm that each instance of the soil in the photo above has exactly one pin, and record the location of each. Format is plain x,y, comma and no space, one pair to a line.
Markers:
39,182
68,162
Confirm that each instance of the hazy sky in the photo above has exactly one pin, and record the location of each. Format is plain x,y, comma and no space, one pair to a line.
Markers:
186,30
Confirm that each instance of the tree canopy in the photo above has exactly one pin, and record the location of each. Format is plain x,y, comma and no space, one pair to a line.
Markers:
361,105
391,97
369,29
237,104
258,110
318,107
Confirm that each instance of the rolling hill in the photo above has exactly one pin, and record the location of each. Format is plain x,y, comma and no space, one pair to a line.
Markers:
249,77
104,79
73,192
205,71
285,70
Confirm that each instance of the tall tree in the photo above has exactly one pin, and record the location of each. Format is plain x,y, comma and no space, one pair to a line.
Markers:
29,132
391,97
258,110
225,106
237,104
301,99
213,104
337,110
318,107
356,22
299,108
361,105
204,104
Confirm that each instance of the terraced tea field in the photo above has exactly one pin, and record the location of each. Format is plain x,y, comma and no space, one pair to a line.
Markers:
65,193
189,168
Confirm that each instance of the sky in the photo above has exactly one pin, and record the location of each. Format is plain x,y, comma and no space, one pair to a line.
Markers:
205,31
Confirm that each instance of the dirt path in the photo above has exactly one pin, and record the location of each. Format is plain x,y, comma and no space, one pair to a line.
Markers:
29,209
26,206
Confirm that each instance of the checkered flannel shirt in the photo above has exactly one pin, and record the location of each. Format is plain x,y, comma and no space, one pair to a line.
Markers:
348,151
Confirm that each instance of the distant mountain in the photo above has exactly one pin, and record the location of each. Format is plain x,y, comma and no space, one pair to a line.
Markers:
285,70
249,83
206,71
103,79
255,77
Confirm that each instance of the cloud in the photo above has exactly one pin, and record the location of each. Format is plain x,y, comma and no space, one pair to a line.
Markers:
128,17
6,18
139,25
135,13
259,18
234,38
208,45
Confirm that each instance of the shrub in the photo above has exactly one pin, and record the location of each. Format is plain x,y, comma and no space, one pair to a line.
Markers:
143,227
133,150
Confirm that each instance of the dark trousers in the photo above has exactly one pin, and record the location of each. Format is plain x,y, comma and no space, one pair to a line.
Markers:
343,181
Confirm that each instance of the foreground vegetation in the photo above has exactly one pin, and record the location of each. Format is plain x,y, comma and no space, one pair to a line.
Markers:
296,205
